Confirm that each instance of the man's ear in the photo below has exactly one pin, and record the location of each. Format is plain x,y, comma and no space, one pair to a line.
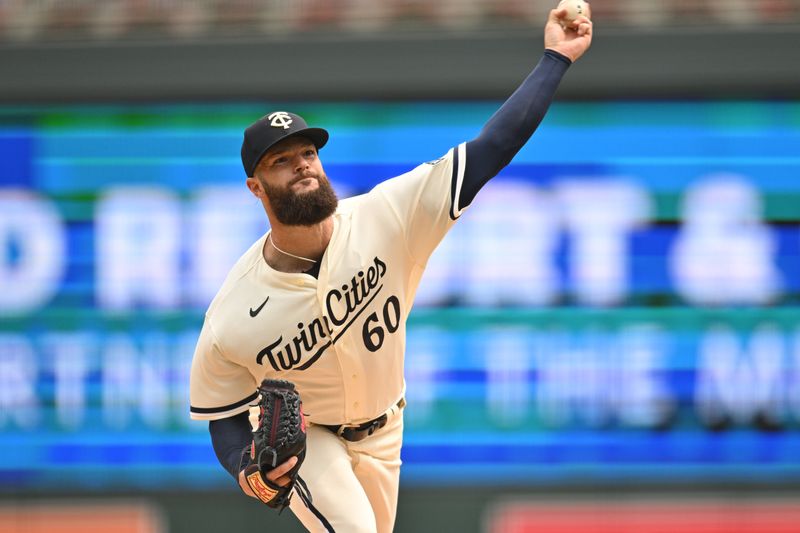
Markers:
255,187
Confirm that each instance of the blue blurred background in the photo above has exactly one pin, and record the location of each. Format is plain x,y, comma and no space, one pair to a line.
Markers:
612,330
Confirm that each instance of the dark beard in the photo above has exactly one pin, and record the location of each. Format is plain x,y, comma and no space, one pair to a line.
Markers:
303,209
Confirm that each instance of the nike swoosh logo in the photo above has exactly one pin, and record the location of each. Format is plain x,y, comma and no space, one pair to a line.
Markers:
254,312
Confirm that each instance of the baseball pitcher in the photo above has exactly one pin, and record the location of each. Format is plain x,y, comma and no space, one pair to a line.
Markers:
299,364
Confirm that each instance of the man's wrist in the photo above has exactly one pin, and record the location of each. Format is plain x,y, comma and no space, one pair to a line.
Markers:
555,54
244,461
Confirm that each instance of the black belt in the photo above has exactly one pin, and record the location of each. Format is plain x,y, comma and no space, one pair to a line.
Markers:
362,431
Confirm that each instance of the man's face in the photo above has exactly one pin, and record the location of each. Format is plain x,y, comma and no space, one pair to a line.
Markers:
295,183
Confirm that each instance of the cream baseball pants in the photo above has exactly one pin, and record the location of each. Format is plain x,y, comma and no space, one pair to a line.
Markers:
351,486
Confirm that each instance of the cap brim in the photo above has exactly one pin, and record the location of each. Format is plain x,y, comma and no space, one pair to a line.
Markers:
318,136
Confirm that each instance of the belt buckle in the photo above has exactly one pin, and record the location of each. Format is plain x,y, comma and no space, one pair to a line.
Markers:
353,434
359,433
375,425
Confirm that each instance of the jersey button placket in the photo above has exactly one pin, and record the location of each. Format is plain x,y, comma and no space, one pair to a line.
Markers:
354,386
322,292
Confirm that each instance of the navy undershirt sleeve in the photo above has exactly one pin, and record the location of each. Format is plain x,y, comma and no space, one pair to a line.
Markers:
229,437
512,125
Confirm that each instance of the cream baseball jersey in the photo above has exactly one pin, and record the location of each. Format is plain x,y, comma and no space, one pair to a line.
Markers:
340,337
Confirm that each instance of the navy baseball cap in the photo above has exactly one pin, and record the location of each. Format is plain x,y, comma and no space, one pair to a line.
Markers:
269,130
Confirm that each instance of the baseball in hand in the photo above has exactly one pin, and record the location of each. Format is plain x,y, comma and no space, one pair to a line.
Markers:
574,9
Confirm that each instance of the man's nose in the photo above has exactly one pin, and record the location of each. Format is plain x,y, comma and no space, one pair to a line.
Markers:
300,164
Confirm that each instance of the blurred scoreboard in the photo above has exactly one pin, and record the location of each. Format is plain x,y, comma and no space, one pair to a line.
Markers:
622,303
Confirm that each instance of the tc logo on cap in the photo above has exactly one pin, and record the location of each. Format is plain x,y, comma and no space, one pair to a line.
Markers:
280,119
